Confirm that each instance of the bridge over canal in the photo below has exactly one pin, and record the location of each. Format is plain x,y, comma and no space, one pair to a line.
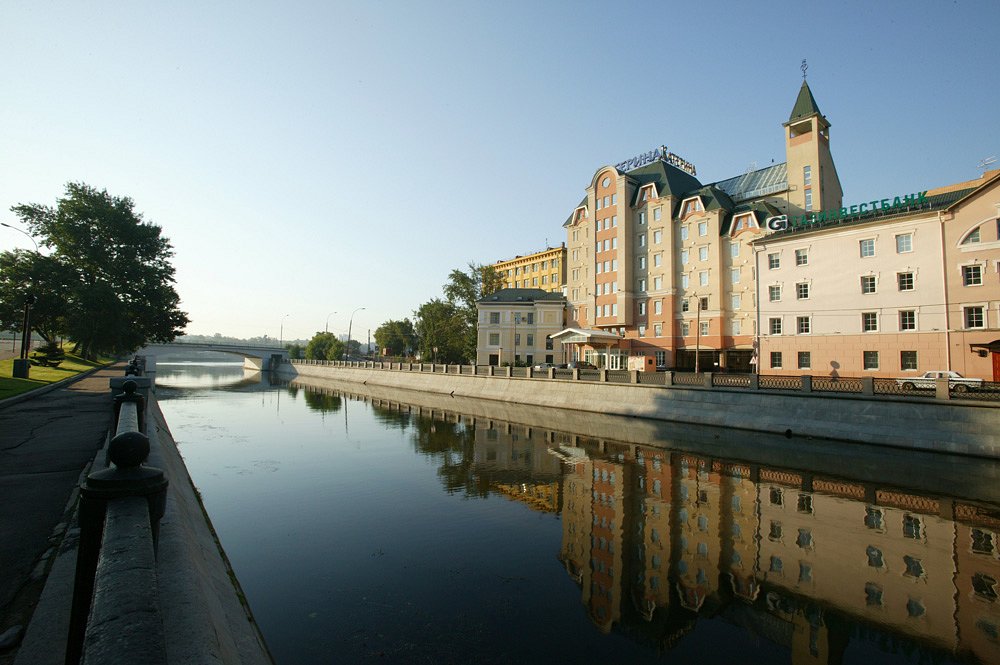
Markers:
255,357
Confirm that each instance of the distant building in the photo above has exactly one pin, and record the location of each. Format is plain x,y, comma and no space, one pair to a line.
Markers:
545,270
515,327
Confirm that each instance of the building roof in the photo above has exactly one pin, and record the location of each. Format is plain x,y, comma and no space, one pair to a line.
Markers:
754,184
521,296
669,179
805,104
587,334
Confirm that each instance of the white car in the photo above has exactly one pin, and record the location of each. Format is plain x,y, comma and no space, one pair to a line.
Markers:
928,381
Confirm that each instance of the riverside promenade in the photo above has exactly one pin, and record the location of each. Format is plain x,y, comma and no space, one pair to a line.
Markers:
50,440
47,439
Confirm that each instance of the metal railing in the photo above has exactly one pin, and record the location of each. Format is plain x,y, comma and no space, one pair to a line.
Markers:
806,384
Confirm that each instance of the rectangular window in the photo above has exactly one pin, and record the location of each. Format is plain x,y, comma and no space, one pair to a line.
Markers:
684,281
685,305
703,278
907,319
642,217
656,214
703,228
703,253
805,360
704,328
803,325
904,280
530,339
657,259
802,291
642,240
530,317
614,199
685,328
703,302
494,318
774,325
802,257
607,201
642,309
974,317
657,236
736,301
684,232
734,275
904,243
684,257
809,199
775,359
869,359
599,268
773,261
658,307
517,339
774,292
972,275
734,325
494,339
867,247
908,360
868,284
657,283
642,263
642,285
807,175
869,321
642,330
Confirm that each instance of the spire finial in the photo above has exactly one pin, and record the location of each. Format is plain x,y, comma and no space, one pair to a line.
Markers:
804,66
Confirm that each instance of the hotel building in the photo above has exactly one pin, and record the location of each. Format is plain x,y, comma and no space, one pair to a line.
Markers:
769,270
666,262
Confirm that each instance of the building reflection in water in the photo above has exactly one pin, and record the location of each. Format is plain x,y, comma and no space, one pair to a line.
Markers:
657,539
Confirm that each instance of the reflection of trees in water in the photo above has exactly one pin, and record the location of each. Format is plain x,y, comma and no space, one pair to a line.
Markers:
451,444
391,418
323,403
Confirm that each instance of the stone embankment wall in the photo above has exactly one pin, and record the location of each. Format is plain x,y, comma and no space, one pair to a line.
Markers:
921,424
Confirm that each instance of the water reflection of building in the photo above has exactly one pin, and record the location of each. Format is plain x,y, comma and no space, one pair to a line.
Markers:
514,460
814,562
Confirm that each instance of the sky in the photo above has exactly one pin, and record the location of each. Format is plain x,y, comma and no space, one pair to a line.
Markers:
308,159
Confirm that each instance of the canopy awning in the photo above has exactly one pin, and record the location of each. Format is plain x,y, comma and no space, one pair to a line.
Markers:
586,336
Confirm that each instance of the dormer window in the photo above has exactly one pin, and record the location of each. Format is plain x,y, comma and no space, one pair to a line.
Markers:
692,205
743,222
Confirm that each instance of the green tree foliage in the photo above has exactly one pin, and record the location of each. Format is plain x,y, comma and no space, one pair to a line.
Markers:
295,351
324,346
114,271
441,324
464,290
396,338
45,277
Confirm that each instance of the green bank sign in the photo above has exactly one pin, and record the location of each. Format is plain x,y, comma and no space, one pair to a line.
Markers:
783,222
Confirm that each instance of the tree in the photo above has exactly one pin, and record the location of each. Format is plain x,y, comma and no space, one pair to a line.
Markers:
324,346
396,338
295,351
46,278
119,280
464,290
441,324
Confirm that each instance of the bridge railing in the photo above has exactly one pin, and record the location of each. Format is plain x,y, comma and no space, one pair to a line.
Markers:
867,386
115,615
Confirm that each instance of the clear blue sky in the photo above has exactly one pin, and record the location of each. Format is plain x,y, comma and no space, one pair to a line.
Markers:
314,157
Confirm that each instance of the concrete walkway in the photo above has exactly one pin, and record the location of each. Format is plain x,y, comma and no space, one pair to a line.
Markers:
46,442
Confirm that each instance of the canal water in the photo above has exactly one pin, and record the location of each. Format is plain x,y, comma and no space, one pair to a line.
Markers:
364,528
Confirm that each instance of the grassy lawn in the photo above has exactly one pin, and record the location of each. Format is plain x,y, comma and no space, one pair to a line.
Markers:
42,376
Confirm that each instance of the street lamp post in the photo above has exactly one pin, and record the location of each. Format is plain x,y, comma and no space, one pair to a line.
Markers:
347,347
22,231
697,332
281,331
326,328
22,367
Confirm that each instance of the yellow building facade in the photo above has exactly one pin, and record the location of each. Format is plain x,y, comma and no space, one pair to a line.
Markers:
544,270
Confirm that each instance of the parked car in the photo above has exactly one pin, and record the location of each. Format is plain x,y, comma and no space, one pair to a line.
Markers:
581,364
928,381
546,366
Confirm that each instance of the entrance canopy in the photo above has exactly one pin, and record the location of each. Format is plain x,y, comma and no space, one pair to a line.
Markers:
587,336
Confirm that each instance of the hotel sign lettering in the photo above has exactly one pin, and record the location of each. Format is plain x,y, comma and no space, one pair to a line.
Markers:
783,222
652,156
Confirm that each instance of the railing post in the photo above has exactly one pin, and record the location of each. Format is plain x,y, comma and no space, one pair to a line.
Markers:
603,375
529,372
754,381
510,371
942,389
633,376
552,372
127,477
576,374
707,382
868,386
668,378
492,370
807,383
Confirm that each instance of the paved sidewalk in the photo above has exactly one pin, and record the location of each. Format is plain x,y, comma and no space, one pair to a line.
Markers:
46,441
